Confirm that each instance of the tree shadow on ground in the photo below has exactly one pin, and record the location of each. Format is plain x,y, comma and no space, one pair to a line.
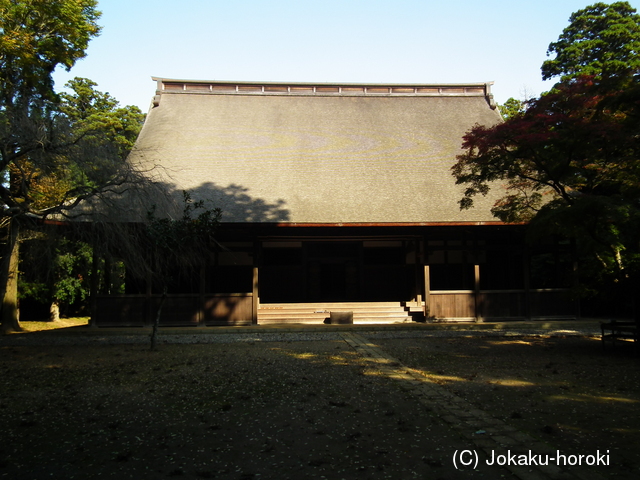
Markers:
568,391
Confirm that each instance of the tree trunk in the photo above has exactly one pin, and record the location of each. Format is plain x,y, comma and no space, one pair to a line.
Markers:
10,313
156,322
106,271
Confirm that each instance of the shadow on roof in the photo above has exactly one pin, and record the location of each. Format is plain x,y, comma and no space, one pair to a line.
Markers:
236,203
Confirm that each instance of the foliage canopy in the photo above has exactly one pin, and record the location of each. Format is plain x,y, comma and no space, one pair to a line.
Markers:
569,161
37,36
602,40
84,140
569,164
55,150
51,153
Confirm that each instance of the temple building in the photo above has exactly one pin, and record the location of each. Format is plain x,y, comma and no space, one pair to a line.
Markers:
338,197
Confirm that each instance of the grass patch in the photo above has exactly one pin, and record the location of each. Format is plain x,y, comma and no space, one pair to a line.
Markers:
31,326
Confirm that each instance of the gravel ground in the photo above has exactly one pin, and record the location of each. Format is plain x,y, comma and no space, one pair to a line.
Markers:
290,405
565,391
142,336
242,410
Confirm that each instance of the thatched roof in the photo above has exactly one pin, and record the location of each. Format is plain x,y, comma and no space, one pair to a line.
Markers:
310,153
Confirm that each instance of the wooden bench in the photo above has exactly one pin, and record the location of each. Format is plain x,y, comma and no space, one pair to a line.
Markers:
619,329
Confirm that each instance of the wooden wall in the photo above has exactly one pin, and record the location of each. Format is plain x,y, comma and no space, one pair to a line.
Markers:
458,305
178,310
465,305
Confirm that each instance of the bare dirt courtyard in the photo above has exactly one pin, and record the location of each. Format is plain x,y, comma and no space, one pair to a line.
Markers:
305,409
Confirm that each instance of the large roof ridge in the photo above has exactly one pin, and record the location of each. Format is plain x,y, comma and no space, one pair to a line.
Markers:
223,87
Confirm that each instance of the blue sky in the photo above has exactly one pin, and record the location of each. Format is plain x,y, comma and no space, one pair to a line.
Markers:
369,41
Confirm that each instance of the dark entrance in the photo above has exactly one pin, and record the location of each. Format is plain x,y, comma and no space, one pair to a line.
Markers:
335,271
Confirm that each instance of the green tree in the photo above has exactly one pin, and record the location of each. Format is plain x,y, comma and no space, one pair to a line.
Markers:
60,282
602,40
570,162
175,246
100,117
91,136
55,152
570,165
107,133
512,108
37,36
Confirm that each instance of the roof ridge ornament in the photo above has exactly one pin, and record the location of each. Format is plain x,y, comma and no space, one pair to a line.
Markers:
172,86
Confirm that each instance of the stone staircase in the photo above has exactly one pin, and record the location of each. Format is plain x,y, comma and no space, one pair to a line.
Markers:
316,313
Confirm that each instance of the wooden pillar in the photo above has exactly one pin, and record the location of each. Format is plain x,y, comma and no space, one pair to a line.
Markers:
418,288
476,293
148,321
255,298
527,283
427,293
93,287
201,292
576,278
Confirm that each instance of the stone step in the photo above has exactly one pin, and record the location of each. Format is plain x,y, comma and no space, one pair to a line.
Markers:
310,307
320,320
363,312
331,304
290,313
